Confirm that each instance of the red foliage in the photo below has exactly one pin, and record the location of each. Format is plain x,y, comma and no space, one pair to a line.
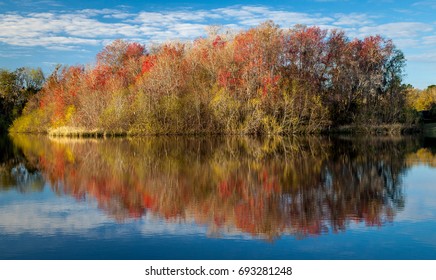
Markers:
244,46
148,63
270,84
218,42
135,51
224,78
172,50
99,76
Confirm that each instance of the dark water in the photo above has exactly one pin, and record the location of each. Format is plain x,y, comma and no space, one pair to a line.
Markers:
217,198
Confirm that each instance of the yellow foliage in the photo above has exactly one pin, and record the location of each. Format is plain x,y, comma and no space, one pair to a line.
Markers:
69,113
422,156
271,126
225,109
421,100
33,122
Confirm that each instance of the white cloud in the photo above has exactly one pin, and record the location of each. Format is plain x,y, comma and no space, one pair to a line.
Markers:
187,24
61,31
50,42
425,4
48,218
430,40
94,12
397,29
119,15
72,30
189,30
63,48
246,16
403,43
423,57
62,215
353,19
65,30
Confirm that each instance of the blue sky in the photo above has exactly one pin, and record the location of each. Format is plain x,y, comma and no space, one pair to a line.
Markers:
45,33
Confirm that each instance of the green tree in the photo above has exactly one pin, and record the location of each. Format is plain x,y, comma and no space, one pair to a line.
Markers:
8,94
15,90
30,79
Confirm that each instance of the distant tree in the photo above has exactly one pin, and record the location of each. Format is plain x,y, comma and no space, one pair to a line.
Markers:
9,91
30,79
118,53
15,90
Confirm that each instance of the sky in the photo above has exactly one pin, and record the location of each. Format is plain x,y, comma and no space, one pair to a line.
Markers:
50,32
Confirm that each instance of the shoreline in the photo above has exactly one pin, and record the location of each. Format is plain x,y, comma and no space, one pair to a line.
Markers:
373,130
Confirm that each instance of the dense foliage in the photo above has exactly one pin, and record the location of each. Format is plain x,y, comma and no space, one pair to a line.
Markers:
15,89
422,100
263,80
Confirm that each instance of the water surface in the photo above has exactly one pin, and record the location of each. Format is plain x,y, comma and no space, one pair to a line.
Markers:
217,198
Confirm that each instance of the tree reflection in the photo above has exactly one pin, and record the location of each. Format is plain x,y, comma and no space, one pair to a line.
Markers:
426,154
264,187
15,170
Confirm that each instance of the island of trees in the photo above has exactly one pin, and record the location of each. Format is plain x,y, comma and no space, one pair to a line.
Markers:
265,80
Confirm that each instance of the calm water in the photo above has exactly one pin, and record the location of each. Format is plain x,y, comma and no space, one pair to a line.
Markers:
217,198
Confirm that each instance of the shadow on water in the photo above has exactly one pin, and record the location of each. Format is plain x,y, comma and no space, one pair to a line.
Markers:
264,187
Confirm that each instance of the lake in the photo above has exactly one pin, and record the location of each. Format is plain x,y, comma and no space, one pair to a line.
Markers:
218,197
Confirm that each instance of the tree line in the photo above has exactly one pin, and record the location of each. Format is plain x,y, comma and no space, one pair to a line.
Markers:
423,101
265,80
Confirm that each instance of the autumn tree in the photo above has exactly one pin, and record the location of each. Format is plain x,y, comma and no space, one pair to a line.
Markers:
264,80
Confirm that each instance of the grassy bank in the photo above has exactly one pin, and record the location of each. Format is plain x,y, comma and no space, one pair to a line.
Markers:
375,130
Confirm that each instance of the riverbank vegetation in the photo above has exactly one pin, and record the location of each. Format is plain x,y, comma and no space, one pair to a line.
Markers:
265,80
